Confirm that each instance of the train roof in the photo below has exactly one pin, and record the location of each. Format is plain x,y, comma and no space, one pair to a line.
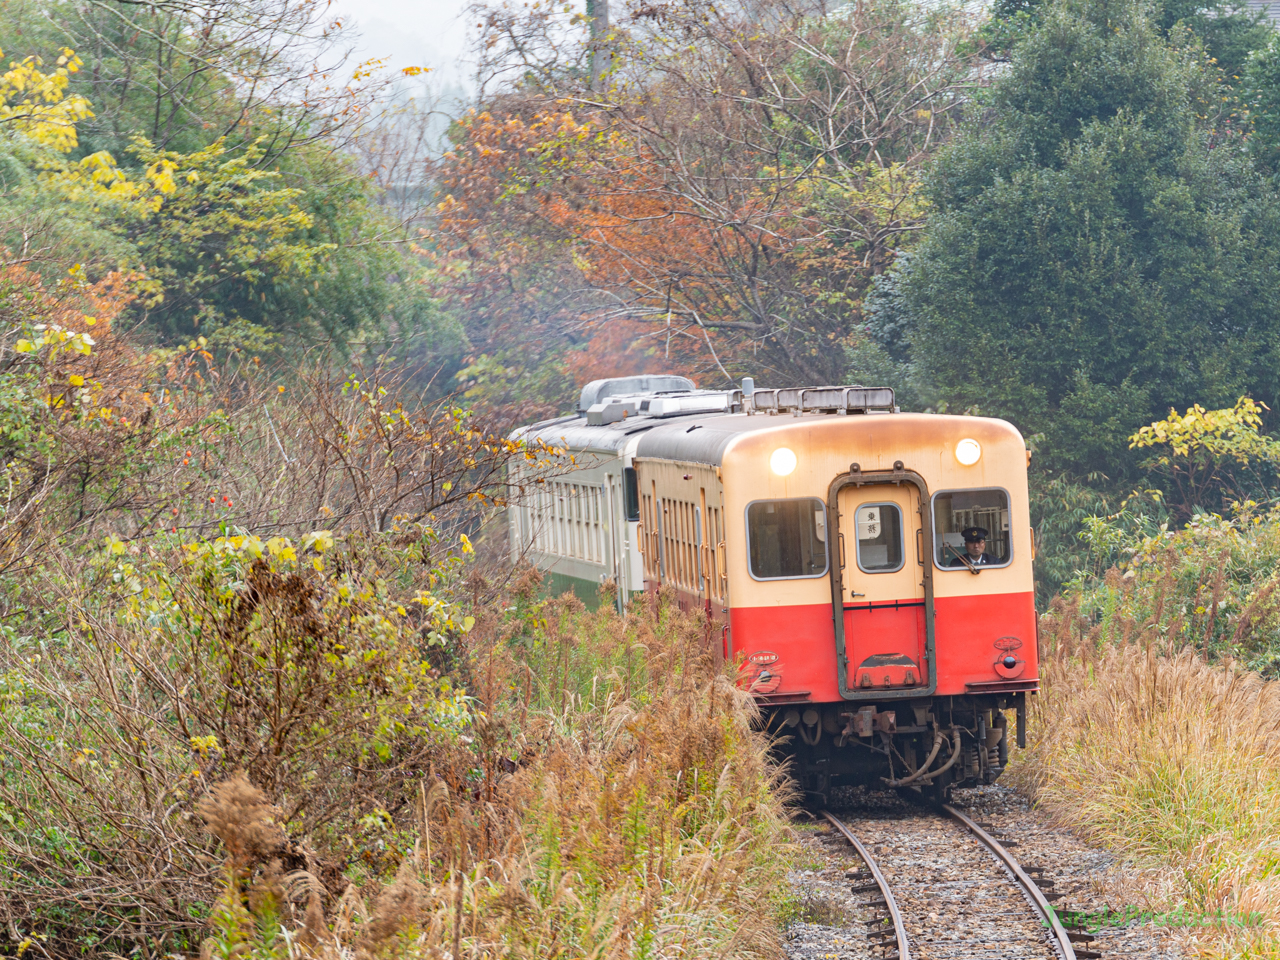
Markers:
695,426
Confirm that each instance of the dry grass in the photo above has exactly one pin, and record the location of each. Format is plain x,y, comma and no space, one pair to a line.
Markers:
1174,762
640,818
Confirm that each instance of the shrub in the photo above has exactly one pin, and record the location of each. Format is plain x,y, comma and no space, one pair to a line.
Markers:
307,666
642,817
1210,585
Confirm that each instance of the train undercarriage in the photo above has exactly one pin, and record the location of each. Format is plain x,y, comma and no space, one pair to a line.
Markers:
931,744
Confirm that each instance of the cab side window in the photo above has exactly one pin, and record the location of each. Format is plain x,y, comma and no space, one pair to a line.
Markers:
960,517
787,538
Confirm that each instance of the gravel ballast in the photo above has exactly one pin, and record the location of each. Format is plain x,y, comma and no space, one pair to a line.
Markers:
957,901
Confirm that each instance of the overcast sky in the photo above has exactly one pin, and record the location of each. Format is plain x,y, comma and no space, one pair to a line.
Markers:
421,33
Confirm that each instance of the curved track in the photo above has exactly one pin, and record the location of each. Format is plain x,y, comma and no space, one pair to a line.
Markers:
1048,916
890,905
1066,944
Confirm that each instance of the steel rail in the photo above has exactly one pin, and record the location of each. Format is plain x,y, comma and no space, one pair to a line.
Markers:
1061,940
900,931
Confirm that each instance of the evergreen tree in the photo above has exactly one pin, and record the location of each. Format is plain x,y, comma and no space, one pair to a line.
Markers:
1228,29
1094,260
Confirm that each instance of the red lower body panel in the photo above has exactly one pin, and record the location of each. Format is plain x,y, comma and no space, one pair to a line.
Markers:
795,646
803,640
966,631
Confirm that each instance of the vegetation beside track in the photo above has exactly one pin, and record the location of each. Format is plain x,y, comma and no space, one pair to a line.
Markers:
615,802
1154,737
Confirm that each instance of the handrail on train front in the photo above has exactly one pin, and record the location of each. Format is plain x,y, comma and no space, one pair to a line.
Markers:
856,477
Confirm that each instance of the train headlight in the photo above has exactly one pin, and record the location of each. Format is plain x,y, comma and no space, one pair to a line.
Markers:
968,452
783,461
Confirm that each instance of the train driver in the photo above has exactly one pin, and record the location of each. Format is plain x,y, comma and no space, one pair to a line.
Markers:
975,549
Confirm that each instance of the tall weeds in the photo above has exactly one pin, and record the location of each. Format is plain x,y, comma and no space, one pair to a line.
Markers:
1151,739
631,812
307,666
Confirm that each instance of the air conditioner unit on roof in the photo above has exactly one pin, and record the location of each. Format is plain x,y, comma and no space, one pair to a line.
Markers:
597,391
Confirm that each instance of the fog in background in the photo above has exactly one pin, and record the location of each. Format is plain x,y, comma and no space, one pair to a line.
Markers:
412,33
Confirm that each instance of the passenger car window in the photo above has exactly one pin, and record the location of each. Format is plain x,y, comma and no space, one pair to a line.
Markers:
879,537
955,511
787,538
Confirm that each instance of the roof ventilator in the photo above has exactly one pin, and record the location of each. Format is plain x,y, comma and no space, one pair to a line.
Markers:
597,391
842,400
610,401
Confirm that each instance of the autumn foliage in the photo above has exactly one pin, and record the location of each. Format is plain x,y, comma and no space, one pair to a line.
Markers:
720,208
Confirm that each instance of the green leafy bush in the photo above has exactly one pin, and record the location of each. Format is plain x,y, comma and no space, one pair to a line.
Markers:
1210,586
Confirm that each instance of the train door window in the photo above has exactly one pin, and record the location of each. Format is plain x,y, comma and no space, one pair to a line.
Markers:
879,538
787,538
955,511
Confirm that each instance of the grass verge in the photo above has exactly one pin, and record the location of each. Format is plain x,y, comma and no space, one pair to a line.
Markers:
615,802
1172,761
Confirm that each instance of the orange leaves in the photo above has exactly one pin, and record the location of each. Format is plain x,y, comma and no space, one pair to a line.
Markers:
84,376
72,303
551,197
622,347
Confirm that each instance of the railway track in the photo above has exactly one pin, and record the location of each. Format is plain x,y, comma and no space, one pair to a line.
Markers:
942,917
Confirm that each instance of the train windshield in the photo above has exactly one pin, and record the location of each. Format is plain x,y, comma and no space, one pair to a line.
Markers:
788,538
971,528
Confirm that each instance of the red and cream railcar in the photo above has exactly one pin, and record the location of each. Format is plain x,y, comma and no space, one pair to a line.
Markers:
821,532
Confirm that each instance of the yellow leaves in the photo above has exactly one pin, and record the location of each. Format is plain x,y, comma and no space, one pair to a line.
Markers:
415,71
205,745
115,546
466,544
57,338
98,178
320,540
36,102
101,169
368,68
199,182
160,175
1232,433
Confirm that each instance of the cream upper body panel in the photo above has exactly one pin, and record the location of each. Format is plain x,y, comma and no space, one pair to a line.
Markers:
824,448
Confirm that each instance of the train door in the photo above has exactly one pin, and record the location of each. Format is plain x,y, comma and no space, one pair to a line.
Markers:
883,591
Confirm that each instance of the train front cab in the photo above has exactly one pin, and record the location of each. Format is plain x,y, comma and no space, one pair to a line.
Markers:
868,642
